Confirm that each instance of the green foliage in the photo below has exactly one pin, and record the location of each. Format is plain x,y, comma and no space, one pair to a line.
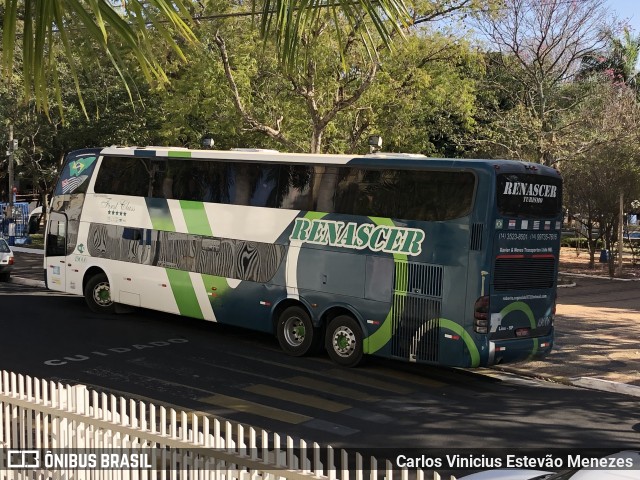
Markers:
579,242
116,32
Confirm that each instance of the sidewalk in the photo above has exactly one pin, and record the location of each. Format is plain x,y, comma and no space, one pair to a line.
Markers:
597,331
597,342
594,348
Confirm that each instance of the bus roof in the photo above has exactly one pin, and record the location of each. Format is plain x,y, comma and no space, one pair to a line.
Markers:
378,159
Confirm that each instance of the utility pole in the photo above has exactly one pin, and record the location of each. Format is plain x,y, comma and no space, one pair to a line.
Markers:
11,147
620,233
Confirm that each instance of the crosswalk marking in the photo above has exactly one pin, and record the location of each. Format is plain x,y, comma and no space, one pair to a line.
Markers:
410,377
300,398
368,381
314,384
254,408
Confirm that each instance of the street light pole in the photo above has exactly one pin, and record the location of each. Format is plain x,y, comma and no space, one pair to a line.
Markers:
10,160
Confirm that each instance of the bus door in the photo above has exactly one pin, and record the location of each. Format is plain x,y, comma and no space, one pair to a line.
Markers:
56,251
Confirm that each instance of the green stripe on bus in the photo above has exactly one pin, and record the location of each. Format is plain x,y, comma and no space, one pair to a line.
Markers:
177,153
160,214
468,341
519,307
382,336
215,286
183,293
315,215
195,217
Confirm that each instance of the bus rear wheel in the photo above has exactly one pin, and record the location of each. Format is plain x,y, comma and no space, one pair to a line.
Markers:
97,294
296,334
344,341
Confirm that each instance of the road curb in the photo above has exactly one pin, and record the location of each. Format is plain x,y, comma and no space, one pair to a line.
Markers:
606,385
581,382
37,251
538,376
27,281
602,277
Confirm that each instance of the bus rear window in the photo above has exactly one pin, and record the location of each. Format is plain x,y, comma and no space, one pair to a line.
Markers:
529,195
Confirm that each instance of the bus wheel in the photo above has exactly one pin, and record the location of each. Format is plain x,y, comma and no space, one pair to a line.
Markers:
296,334
344,341
97,294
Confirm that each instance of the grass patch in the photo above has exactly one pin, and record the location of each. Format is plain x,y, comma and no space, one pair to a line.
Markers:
37,241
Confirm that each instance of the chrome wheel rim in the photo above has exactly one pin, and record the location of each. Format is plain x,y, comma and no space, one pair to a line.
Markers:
344,341
294,331
102,294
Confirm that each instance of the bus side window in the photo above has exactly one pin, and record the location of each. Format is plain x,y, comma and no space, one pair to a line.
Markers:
265,186
124,176
353,192
294,187
325,182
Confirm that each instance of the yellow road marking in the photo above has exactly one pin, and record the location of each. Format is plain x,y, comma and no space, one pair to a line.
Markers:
253,408
337,390
295,397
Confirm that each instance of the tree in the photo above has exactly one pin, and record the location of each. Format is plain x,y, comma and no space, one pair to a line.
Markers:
118,30
43,141
605,164
114,31
617,62
538,49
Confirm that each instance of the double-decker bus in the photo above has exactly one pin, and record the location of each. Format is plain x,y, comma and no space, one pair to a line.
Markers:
439,261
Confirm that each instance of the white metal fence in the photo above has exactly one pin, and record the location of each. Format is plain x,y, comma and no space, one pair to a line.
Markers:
73,433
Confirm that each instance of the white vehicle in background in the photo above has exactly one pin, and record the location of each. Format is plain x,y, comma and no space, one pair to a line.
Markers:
632,473
6,260
34,220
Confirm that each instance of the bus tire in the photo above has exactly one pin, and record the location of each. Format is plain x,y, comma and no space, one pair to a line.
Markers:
344,341
97,294
296,334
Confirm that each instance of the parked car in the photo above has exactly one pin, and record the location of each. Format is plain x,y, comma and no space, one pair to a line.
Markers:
6,260
629,457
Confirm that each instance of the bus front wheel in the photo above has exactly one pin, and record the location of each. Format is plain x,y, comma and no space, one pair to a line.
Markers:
344,341
97,294
296,334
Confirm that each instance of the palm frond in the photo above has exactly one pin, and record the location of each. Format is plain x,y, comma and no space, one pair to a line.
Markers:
285,21
44,25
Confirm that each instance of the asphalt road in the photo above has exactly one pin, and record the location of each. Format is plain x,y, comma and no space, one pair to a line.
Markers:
244,377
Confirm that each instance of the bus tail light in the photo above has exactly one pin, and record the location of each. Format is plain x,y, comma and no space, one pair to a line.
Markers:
481,315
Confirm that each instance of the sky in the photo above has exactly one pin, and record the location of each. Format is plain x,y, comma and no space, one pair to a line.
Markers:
627,10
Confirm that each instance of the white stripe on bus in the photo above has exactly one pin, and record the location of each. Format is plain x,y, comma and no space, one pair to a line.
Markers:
293,252
177,216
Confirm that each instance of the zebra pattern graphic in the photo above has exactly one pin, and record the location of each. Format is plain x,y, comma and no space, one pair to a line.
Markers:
223,257
117,243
